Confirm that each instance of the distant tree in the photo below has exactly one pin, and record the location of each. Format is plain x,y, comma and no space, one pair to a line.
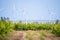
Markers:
57,21
20,21
4,19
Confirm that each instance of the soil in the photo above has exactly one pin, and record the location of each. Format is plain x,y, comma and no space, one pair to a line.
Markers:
21,35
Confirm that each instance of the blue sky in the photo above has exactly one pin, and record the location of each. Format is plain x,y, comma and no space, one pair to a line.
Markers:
30,9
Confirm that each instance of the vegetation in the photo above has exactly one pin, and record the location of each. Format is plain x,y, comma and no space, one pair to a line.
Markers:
7,27
56,29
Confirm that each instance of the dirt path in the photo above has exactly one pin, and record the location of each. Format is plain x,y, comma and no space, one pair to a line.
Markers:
31,35
17,35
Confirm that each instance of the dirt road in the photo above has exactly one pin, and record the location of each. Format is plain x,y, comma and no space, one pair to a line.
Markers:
30,35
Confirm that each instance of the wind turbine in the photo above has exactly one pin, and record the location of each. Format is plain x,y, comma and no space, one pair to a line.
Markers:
16,10
49,12
52,14
24,14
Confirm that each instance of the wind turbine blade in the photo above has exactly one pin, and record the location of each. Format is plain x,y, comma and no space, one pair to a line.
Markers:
3,10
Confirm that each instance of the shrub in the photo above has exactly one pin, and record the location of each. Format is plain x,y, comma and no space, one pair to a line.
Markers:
56,29
5,28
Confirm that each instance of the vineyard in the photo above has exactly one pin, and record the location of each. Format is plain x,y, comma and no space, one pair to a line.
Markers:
7,27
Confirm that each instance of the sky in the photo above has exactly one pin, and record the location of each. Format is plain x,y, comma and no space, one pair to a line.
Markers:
30,9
